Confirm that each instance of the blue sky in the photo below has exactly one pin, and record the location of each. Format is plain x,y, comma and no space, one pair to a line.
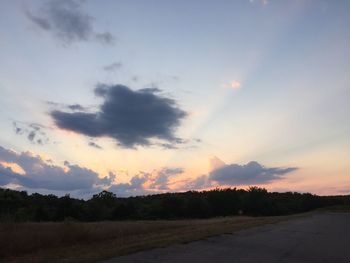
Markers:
263,82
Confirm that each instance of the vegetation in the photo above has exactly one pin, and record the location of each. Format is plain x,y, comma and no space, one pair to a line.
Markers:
18,206
139,221
94,241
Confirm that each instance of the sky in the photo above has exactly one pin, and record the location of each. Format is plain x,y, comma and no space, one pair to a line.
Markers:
145,97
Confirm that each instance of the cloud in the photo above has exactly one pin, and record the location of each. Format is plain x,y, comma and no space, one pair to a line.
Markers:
234,84
197,183
153,89
133,188
216,163
263,2
162,178
146,183
30,172
130,117
68,22
71,107
250,173
76,107
225,175
106,37
135,78
31,135
113,66
34,132
95,145
41,174
18,130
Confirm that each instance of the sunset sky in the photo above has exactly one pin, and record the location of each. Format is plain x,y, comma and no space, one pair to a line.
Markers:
142,97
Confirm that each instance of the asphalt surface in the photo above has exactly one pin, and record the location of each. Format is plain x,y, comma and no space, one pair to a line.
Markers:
317,238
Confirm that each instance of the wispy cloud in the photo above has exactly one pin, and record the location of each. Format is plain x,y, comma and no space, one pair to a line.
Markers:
113,66
263,2
34,132
234,84
68,22
95,145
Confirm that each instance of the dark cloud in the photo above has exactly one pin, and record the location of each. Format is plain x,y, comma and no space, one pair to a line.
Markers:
251,173
130,117
31,135
34,132
7,176
67,20
76,107
95,145
18,130
39,174
114,66
168,146
234,175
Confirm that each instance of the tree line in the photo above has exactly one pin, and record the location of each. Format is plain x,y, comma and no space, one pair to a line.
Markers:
18,206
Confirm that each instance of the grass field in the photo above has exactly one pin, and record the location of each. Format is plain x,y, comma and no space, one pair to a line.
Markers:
91,242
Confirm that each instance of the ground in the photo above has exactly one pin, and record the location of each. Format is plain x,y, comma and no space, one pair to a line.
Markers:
318,237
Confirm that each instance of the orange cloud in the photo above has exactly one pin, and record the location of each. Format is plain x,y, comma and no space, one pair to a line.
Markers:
13,166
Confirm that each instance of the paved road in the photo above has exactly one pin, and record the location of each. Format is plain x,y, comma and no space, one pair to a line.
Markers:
316,238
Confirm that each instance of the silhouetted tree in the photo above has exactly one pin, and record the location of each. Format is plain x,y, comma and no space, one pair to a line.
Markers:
19,206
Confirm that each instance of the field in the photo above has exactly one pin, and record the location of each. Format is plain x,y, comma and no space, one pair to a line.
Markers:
91,242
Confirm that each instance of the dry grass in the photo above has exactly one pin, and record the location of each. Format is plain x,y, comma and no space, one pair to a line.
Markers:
91,242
